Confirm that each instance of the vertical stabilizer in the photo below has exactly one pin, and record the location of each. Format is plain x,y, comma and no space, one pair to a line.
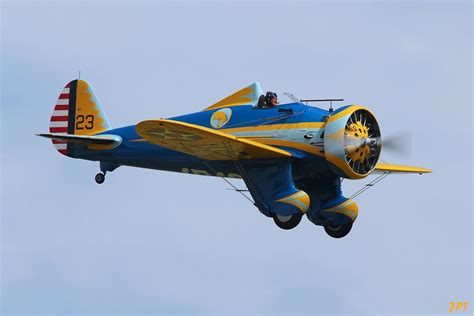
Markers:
77,112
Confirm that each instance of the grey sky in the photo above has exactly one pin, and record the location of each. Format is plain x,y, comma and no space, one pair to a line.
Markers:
150,242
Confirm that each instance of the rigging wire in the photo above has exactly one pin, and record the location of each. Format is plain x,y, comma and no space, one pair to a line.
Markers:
223,178
371,184
228,182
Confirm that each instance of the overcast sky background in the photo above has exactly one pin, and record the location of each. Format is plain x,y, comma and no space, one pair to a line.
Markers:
150,242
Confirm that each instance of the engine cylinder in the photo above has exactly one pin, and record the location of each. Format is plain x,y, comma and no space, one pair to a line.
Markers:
352,142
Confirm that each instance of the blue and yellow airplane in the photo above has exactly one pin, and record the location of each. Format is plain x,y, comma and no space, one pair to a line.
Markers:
292,157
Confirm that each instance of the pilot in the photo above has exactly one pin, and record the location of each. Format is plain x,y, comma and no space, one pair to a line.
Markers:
268,101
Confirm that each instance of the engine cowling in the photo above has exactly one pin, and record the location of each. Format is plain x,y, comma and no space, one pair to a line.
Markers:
352,142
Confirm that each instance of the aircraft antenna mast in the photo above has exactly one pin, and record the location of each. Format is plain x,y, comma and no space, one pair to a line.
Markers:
323,100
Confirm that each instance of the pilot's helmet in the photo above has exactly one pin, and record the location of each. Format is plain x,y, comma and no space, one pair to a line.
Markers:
269,96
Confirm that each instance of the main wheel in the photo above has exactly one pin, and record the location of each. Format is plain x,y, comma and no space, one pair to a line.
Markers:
100,178
338,231
287,221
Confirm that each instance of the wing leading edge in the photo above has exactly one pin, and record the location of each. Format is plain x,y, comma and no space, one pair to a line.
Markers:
384,167
203,142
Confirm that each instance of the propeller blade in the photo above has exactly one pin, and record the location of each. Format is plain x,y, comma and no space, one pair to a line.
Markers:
399,143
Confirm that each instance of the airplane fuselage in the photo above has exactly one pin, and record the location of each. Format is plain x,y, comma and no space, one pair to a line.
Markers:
295,127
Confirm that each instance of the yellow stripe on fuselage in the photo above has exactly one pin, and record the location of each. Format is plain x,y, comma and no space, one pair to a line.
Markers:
255,128
291,144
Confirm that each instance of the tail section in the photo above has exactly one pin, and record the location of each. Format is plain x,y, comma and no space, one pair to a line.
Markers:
77,112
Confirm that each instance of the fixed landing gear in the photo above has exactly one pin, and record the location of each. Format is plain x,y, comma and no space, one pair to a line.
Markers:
287,221
338,231
105,167
100,177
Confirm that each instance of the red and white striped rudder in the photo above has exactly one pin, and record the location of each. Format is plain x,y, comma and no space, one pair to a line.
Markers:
60,119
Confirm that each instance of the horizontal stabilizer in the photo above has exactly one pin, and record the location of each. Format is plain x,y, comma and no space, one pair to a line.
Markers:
204,142
92,142
384,167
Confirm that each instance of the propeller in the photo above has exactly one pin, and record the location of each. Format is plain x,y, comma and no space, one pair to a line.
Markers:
399,143
362,141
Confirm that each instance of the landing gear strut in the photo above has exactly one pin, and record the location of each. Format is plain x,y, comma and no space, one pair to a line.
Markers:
100,177
338,231
287,221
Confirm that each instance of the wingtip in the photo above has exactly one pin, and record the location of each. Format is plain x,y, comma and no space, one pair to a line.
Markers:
402,168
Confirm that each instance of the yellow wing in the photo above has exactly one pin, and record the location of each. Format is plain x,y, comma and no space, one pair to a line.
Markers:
203,142
382,167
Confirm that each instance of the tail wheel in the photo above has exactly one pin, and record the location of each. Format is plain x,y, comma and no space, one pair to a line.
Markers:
100,178
338,231
287,221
